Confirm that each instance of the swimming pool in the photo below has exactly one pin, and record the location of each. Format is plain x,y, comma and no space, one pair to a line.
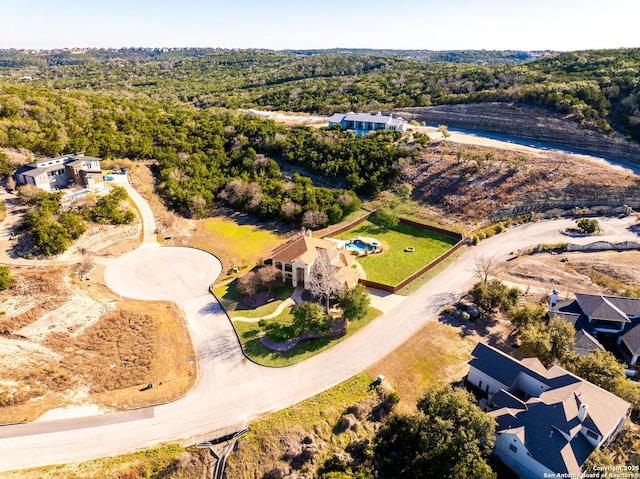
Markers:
359,247
76,194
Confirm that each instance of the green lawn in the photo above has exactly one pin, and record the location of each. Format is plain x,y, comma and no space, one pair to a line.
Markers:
249,334
230,299
240,243
394,264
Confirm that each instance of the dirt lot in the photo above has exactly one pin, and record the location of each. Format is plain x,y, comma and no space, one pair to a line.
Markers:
68,341
607,272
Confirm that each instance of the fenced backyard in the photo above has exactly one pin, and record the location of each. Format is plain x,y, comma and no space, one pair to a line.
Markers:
409,250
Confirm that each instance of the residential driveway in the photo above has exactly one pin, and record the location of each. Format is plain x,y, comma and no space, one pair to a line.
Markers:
168,273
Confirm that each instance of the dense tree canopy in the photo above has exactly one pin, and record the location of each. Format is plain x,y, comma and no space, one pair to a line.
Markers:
596,87
448,437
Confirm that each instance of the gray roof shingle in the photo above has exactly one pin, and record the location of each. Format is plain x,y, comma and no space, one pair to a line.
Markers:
547,420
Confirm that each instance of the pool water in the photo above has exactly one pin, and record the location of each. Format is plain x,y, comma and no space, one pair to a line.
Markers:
359,247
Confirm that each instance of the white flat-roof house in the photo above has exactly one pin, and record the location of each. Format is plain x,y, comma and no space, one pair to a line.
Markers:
54,173
549,420
363,123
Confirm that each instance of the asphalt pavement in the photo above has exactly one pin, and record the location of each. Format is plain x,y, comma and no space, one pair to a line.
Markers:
231,390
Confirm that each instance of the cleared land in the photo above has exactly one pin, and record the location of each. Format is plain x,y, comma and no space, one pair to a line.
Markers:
72,342
395,264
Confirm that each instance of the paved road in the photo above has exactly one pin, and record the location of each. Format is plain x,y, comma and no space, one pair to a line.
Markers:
231,390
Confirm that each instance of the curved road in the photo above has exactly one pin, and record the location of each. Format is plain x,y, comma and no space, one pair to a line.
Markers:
231,390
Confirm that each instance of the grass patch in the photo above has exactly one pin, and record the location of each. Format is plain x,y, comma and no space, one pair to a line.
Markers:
416,284
236,245
258,312
394,264
435,354
231,298
249,334
260,449
155,462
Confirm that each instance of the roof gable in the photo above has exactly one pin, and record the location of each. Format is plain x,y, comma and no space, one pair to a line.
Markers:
585,343
551,421
632,339
603,308
303,248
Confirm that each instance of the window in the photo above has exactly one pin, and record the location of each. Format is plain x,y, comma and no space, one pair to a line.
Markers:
513,448
480,384
592,435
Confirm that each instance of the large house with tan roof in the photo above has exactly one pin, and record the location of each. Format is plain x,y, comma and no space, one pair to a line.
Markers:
548,420
296,257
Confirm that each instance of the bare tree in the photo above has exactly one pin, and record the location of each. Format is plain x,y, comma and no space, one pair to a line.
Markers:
84,268
322,278
10,183
198,207
26,192
248,284
314,219
289,208
484,266
268,275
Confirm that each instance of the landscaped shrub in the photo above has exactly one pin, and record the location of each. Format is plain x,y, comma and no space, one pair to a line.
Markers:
588,225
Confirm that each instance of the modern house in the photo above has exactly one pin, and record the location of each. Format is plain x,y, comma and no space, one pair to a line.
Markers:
548,420
296,257
68,170
363,123
599,317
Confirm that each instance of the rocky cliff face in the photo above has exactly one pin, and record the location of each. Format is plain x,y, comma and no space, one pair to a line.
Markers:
528,123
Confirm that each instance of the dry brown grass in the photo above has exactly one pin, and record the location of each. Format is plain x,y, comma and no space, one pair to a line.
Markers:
134,344
40,290
468,183
606,272
435,354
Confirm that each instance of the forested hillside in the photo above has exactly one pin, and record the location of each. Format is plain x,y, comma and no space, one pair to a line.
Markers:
206,157
600,89
178,107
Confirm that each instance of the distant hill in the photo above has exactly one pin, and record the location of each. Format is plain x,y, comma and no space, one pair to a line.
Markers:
489,57
596,88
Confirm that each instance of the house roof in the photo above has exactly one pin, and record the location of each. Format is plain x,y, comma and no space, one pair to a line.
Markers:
585,343
303,247
81,160
608,308
366,117
34,172
504,399
632,339
500,366
347,276
550,420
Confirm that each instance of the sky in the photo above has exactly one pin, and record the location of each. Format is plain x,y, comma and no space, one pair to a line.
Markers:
286,24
